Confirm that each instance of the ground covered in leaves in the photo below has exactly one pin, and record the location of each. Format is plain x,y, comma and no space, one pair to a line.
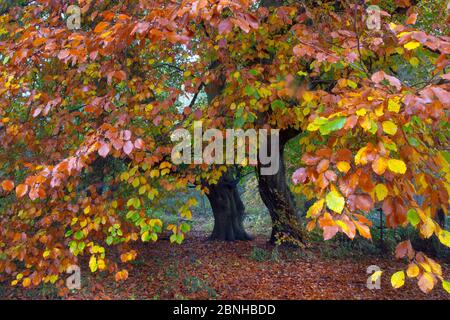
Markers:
199,269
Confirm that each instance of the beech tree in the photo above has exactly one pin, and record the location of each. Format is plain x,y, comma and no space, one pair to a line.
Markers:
86,117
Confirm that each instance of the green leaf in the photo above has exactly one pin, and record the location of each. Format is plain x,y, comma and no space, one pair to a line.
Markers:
185,227
446,285
413,217
277,104
145,236
446,155
79,235
352,84
239,122
180,238
413,141
249,91
331,126
68,233
109,240
81,246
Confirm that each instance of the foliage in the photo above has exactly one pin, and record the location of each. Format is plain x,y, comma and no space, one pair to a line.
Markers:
87,115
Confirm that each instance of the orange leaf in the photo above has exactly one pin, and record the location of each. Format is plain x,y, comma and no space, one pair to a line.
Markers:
21,190
8,185
101,26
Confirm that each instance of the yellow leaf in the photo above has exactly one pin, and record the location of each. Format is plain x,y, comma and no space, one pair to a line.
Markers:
154,173
381,191
361,112
360,157
93,264
343,166
142,189
398,279
446,285
444,237
308,96
315,209
135,182
101,264
389,127
412,45
397,166
393,105
335,201
414,62
427,228
413,270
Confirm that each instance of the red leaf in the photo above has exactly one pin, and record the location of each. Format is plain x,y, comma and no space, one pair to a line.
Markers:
104,150
128,147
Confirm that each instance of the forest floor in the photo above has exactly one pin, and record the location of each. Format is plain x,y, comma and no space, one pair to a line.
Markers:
199,269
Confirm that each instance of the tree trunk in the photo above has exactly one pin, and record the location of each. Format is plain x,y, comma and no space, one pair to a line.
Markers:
226,203
228,210
278,199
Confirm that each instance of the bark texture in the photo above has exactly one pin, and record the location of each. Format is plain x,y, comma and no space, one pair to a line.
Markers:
224,197
278,199
228,210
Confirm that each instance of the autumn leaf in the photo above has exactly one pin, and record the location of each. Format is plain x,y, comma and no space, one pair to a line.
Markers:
397,166
8,185
343,166
446,286
121,275
444,237
413,270
93,263
26,282
413,217
335,201
21,190
398,279
412,45
426,282
104,150
389,127
315,209
380,165
101,26
381,191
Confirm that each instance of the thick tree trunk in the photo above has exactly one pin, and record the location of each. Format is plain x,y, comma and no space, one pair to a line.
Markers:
278,199
226,203
228,211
